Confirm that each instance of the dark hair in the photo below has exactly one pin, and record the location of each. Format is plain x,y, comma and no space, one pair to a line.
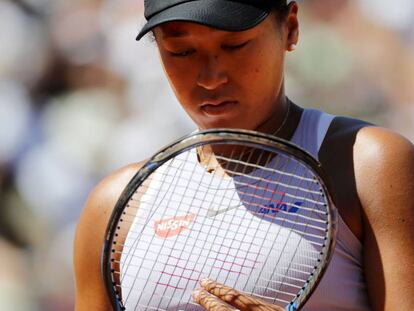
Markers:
281,3
281,10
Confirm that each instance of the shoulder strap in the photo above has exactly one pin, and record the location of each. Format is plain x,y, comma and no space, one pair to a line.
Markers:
336,157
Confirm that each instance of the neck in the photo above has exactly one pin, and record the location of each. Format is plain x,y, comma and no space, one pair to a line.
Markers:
278,119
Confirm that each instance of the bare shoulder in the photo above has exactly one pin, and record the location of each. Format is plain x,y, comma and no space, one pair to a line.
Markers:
381,143
101,201
90,291
104,196
384,165
384,173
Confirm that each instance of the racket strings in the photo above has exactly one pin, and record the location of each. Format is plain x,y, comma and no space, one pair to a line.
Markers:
128,255
204,261
243,169
272,209
262,178
268,256
246,188
299,268
266,169
173,187
174,246
265,217
244,185
239,185
284,282
249,201
275,210
271,171
210,228
285,277
254,262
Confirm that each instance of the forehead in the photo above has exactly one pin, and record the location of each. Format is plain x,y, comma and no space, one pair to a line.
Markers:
188,29
183,29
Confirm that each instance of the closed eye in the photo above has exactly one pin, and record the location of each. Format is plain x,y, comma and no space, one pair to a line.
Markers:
182,54
235,46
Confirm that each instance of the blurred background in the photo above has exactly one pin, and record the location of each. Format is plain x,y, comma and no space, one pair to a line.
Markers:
79,97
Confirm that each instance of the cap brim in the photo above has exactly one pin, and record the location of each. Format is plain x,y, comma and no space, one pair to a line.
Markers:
224,15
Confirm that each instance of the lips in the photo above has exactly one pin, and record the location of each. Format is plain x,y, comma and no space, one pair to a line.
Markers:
217,107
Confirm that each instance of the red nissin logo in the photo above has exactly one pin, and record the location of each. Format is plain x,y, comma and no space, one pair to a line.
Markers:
166,228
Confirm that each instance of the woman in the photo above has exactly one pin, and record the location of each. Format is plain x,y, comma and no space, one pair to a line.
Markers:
224,60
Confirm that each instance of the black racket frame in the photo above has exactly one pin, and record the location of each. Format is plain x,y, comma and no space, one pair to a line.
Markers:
222,136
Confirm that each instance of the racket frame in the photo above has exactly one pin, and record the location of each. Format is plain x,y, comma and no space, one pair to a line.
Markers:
223,136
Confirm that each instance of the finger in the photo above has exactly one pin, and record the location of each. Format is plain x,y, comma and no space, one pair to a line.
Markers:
208,301
236,299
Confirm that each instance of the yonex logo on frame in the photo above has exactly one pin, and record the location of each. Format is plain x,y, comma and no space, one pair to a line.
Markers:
166,228
274,208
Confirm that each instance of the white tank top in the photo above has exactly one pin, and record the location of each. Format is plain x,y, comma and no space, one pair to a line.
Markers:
342,287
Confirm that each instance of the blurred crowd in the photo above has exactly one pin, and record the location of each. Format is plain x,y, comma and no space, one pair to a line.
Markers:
79,97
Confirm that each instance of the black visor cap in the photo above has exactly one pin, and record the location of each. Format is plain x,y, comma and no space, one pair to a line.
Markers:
228,15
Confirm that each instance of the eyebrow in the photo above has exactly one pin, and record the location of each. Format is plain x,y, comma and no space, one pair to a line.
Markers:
178,32
174,34
171,34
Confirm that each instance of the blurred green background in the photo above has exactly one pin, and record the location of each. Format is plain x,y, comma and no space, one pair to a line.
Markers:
79,97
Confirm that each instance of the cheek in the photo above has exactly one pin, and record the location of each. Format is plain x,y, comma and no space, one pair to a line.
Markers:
180,78
264,75
173,72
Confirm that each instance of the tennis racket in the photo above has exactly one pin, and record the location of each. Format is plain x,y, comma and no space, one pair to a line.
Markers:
245,209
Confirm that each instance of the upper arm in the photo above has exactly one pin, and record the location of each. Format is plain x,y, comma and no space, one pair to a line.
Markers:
384,171
90,232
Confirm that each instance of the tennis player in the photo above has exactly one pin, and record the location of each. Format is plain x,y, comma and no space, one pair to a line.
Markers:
225,62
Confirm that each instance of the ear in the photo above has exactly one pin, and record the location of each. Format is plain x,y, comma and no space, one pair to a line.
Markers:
292,26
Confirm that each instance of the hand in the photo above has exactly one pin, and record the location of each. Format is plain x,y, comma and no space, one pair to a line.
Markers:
214,296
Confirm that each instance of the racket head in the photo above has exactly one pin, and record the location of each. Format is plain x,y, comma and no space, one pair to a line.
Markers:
221,139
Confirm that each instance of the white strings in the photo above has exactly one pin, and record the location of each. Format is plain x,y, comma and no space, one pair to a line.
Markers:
266,236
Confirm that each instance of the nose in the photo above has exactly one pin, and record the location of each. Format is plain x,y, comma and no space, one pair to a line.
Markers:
212,74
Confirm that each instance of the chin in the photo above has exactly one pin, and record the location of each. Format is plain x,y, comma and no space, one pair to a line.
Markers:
223,124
